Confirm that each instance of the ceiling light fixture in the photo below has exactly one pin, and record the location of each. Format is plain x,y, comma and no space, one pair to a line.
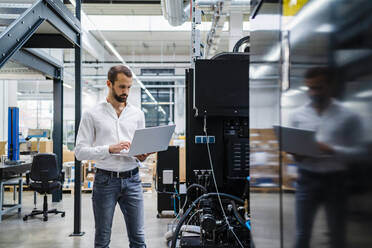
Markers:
114,51
67,85
364,94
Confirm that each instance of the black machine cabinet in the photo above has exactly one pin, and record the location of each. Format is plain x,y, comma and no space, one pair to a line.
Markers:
217,140
221,87
222,100
167,179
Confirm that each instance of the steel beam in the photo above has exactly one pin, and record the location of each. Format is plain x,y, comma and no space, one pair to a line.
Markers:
22,29
78,90
38,61
58,126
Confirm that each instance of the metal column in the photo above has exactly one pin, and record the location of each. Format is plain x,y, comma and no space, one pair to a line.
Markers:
58,126
77,194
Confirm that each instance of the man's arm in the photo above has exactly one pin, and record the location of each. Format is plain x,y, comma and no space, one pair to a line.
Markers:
354,139
84,149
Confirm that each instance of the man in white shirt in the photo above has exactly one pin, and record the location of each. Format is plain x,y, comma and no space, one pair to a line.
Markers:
322,180
108,128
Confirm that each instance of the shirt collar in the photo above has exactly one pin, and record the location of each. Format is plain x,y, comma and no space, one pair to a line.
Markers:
111,110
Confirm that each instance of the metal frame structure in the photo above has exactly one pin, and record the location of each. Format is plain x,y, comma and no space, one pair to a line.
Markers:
6,208
66,28
78,104
49,24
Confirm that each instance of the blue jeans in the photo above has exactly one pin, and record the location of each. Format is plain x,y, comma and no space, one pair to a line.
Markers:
313,190
107,191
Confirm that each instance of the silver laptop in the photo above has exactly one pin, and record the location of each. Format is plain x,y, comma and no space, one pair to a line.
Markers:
148,140
297,141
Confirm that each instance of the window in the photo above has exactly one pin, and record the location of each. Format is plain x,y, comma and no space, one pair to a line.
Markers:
35,114
159,72
160,112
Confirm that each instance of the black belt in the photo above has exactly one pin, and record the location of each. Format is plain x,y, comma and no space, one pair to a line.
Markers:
124,174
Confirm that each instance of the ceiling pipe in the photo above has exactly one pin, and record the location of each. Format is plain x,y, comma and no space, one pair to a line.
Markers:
242,3
177,12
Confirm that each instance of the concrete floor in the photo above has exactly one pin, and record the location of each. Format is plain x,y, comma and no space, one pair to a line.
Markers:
14,232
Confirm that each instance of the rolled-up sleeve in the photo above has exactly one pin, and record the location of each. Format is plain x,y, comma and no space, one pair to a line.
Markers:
84,149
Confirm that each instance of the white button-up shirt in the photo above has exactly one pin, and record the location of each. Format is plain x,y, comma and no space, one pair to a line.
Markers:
101,127
337,126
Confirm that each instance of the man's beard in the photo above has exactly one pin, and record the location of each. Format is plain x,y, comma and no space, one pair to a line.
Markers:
319,101
121,98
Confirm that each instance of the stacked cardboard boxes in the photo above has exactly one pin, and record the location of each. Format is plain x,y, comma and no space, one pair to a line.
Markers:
264,159
45,146
2,147
89,170
68,156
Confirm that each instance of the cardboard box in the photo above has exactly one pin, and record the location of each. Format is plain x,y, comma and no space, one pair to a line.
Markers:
182,164
24,147
88,168
68,156
2,147
88,185
90,177
45,146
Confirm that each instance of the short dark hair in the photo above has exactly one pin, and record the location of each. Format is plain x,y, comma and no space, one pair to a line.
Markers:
115,70
319,71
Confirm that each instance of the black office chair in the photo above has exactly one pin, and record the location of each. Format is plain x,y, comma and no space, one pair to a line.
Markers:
46,177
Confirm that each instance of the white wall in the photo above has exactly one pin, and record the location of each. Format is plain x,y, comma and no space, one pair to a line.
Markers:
89,100
8,98
180,109
264,107
68,104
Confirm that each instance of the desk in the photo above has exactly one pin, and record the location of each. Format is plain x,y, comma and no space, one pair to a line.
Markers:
9,171
11,175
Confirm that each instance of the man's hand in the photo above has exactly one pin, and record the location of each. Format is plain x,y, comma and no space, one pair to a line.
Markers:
118,147
325,148
143,157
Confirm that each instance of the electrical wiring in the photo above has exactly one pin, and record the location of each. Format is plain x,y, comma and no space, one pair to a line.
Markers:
215,183
195,185
192,206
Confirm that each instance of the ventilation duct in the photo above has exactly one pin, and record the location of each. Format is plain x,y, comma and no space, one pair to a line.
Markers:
176,11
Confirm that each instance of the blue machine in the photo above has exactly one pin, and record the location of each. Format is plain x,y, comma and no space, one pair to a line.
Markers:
13,133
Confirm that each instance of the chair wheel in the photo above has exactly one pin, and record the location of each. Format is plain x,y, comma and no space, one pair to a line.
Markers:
45,219
63,215
25,218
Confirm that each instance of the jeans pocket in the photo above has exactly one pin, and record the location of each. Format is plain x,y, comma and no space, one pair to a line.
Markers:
101,179
135,179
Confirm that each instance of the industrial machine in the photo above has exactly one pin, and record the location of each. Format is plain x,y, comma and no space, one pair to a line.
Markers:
167,180
13,135
218,114
216,210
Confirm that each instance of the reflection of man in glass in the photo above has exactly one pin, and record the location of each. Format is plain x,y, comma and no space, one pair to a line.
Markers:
322,180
